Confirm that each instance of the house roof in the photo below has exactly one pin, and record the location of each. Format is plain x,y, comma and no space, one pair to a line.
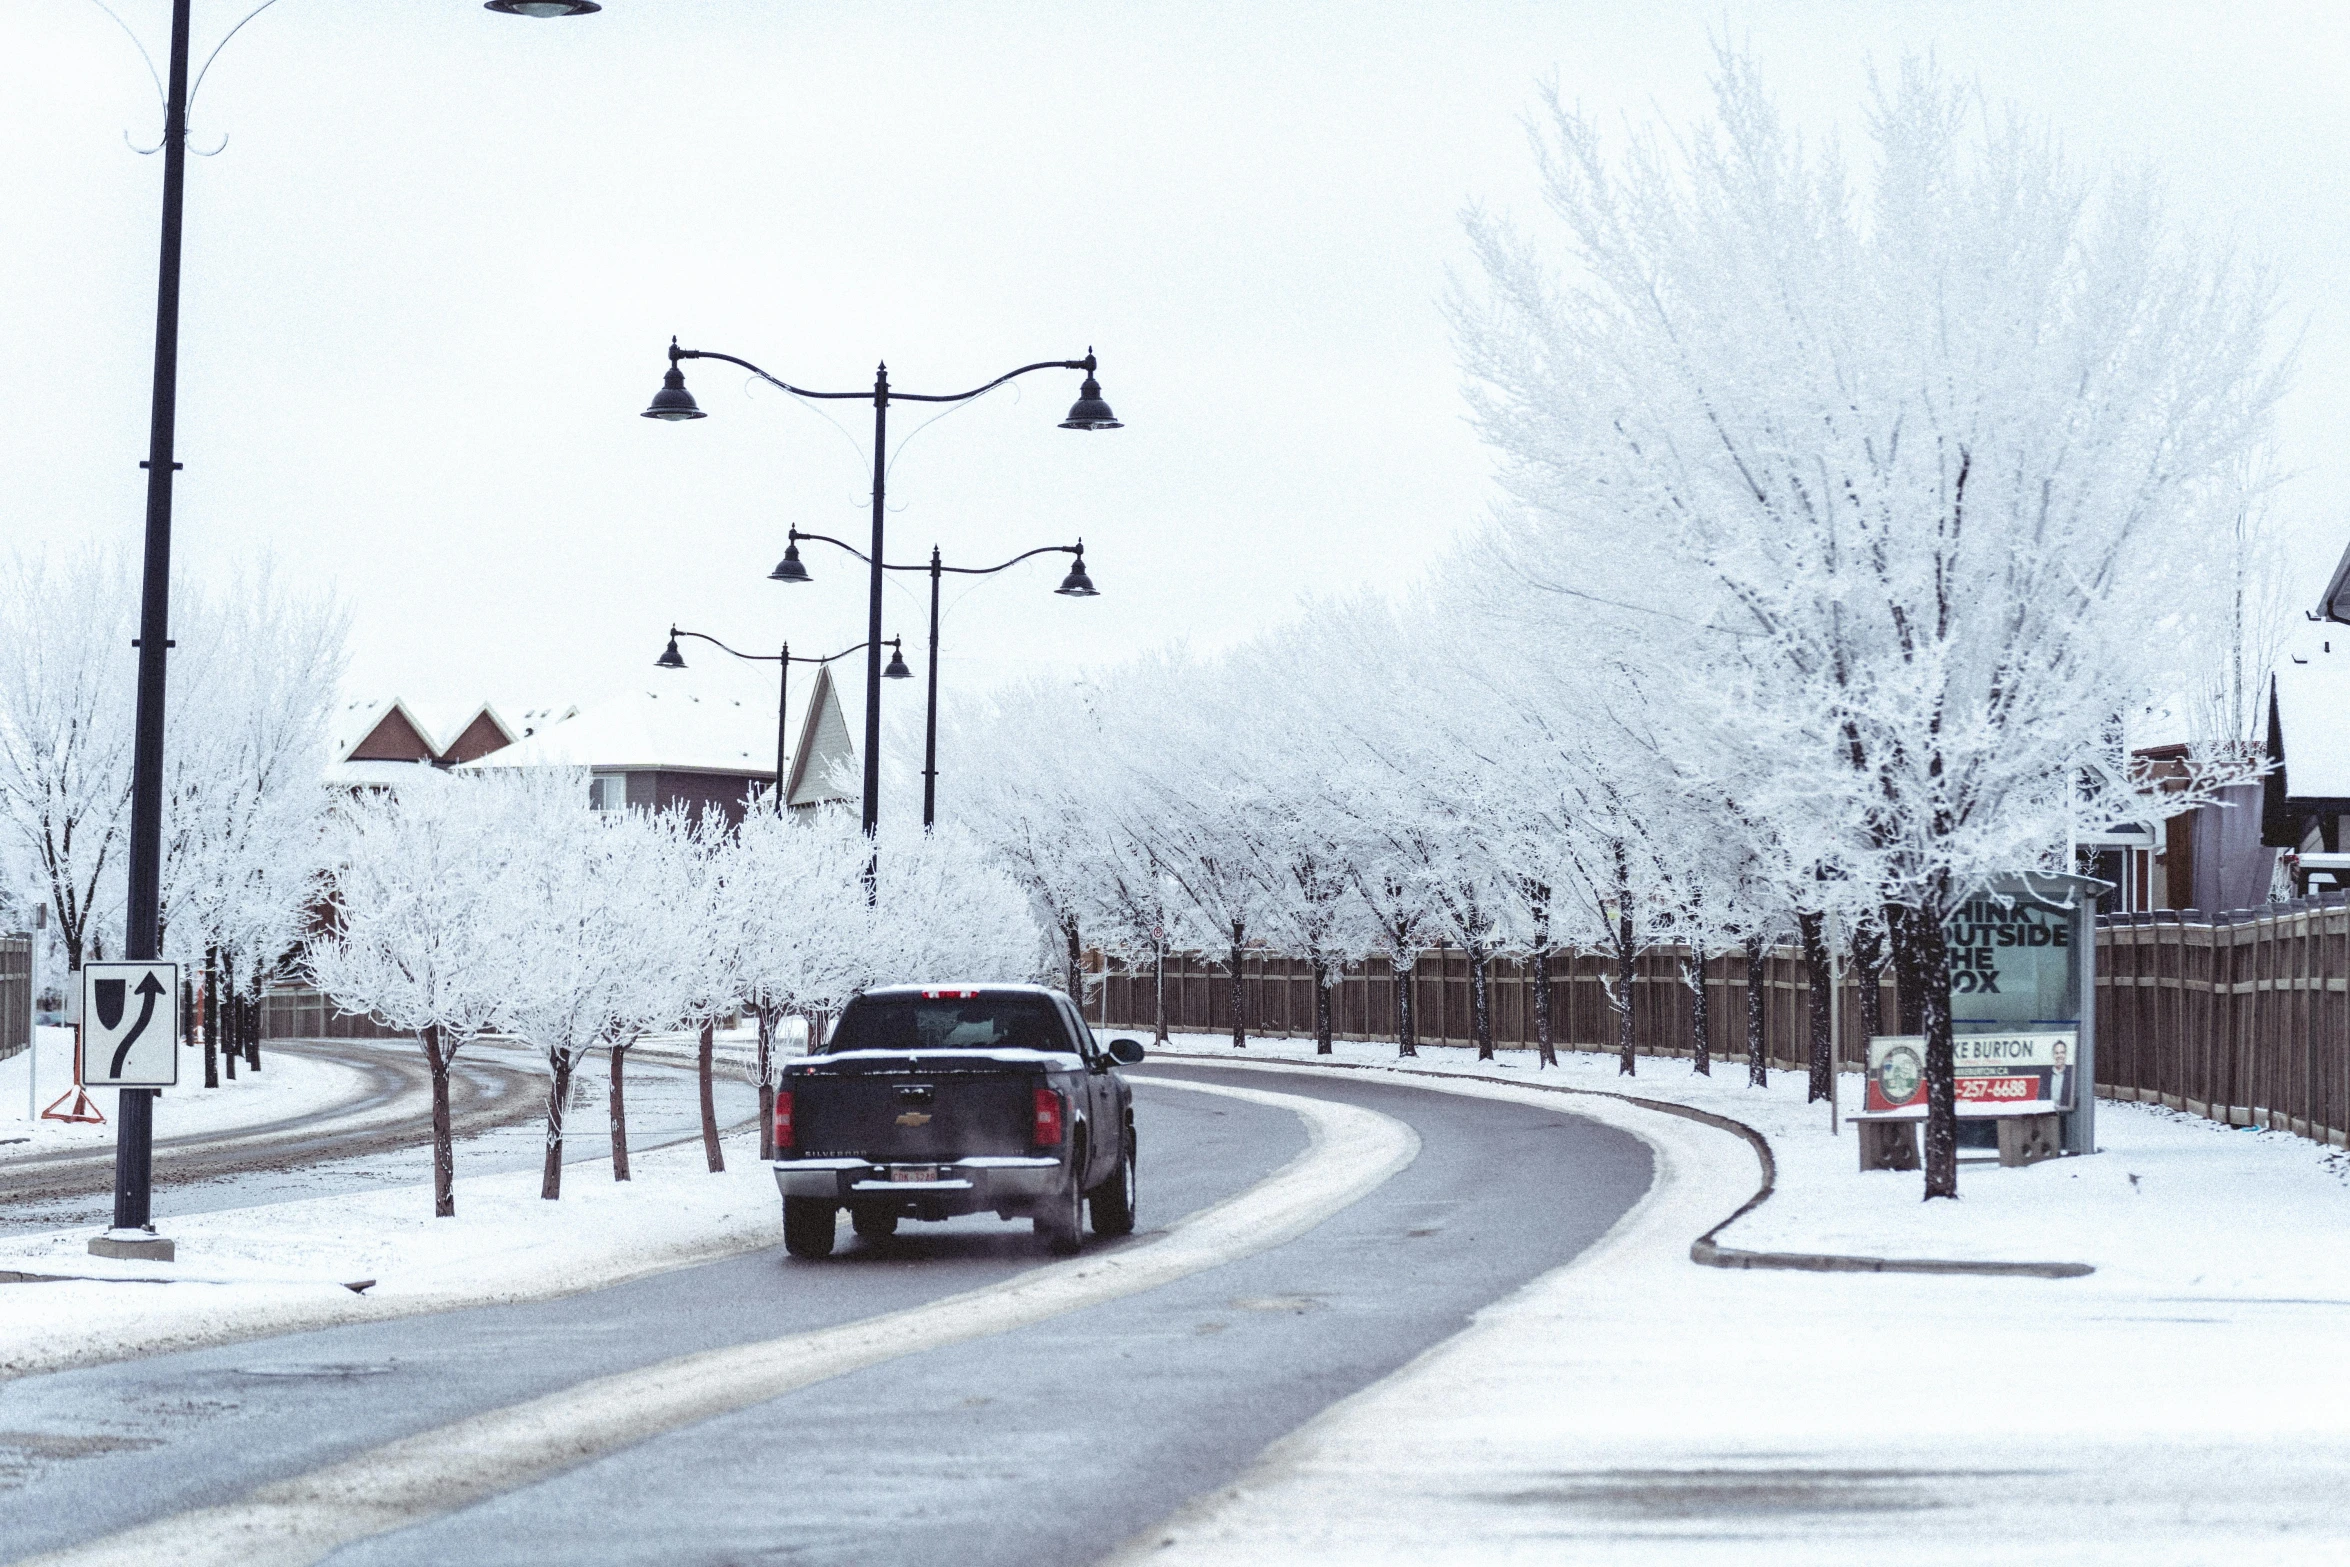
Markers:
379,741
2309,716
824,749
2334,603
379,730
705,719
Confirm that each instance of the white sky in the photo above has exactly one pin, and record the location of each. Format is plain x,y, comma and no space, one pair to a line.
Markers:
430,280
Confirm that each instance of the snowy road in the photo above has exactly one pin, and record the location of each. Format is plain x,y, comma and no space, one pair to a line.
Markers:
378,1135
1050,1442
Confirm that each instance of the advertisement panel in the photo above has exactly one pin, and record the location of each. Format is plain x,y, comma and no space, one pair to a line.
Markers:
1992,1069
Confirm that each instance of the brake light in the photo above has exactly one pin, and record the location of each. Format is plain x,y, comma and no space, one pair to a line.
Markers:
784,1137
1048,1119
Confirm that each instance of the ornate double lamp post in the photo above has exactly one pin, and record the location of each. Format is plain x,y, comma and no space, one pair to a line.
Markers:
673,402
1075,585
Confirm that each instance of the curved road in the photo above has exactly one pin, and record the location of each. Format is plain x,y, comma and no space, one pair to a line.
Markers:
1052,1443
389,1108
379,1135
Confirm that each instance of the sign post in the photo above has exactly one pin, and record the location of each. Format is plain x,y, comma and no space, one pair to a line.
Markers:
129,1040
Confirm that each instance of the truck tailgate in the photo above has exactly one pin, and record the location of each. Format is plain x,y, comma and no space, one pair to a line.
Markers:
914,1116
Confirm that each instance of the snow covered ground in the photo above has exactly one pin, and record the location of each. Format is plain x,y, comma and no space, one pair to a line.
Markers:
287,1086
2188,1402
282,1267
2169,1200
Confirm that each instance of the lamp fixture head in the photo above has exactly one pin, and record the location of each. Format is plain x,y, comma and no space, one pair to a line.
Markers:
897,669
789,568
542,8
673,401
1089,412
670,658
1077,584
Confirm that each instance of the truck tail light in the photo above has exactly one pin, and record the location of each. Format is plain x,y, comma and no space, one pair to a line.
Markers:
1048,1119
784,1137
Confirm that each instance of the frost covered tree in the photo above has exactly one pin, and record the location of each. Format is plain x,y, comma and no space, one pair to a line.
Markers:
244,812
942,909
692,925
575,946
65,734
1204,831
414,937
1875,476
1132,908
250,687
1029,801
791,886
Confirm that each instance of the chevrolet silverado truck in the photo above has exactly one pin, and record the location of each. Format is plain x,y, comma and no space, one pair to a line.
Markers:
930,1101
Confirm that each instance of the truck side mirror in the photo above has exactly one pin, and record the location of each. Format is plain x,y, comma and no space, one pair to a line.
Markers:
1127,1051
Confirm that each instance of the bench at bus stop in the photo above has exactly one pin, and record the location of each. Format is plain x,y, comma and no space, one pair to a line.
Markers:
2029,1131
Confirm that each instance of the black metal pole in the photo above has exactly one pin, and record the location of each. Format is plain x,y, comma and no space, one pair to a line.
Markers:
930,719
135,1115
782,708
872,810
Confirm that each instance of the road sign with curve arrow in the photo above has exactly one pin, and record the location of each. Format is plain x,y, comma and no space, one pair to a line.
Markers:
130,1025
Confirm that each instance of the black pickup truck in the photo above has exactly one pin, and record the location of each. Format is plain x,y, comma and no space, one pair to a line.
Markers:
930,1101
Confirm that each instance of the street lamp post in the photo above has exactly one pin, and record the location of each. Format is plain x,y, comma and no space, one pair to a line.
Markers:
673,402
1075,585
134,1137
672,659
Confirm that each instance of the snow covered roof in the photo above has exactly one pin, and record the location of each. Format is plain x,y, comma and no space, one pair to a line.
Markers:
398,729
823,748
704,719
378,741
2309,719
2334,605
379,729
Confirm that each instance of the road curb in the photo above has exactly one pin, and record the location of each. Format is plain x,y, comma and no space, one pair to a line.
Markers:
1705,1250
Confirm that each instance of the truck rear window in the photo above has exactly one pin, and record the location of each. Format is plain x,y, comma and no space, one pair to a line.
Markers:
981,1022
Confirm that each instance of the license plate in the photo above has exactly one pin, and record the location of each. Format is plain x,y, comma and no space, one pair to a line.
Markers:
913,1172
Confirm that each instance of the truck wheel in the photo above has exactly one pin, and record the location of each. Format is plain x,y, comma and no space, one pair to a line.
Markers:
1112,1202
874,1224
1060,1223
808,1223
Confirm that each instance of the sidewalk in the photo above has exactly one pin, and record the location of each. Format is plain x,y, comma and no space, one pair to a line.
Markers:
2187,1402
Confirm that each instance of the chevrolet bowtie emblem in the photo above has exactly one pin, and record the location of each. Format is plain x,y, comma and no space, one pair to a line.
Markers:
914,1118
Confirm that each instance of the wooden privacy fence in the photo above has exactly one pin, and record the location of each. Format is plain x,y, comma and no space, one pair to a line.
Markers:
2241,1017
1279,997
298,1012
16,994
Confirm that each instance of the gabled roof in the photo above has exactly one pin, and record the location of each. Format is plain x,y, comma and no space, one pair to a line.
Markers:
483,733
2334,603
2309,715
825,749
380,732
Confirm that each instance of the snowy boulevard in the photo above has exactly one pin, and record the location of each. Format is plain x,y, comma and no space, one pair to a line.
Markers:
361,1126
936,1448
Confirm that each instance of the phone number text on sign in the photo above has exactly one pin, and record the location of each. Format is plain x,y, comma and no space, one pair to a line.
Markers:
1998,1088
